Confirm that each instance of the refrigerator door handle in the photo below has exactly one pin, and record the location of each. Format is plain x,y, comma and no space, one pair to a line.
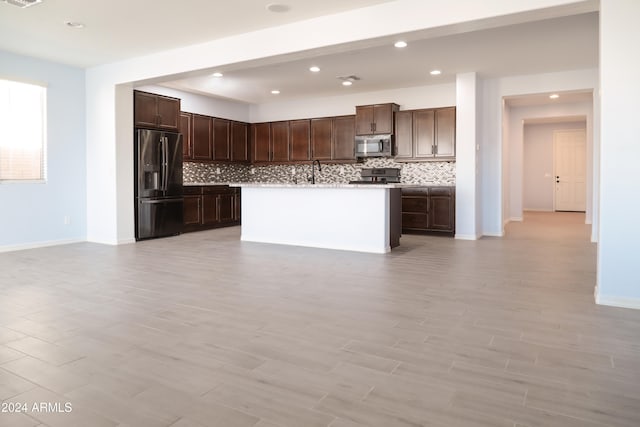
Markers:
165,162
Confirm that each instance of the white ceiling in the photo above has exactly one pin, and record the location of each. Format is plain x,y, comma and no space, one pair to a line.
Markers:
119,29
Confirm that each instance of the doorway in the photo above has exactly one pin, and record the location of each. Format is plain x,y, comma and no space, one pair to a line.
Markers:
570,170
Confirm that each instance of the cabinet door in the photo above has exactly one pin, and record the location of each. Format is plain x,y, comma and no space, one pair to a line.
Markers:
321,138
423,130
226,206
186,120
383,118
168,113
201,137
280,141
261,141
300,145
344,138
239,142
209,209
445,143
404,134
441,209
237,205
192,210
364,120
221,146
145,109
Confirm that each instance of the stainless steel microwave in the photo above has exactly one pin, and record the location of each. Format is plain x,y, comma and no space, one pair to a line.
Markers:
374,145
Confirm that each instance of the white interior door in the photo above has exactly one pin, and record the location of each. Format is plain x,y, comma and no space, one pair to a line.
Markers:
570,166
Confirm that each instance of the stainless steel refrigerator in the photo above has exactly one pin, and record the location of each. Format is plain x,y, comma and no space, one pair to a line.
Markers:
158,185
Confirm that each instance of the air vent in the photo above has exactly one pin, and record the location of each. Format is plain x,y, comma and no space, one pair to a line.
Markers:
350,78
22,3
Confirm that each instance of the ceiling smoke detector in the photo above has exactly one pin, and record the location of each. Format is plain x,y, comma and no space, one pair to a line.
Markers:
22,3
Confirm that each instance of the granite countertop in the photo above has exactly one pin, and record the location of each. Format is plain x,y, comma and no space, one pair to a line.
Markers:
307,185
319,185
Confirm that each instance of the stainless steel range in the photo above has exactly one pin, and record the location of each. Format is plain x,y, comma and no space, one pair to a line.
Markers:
378,176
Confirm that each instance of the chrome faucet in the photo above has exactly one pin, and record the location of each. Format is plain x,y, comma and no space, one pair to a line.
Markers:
312,179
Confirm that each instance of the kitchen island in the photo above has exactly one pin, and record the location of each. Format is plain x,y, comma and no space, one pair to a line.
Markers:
352,217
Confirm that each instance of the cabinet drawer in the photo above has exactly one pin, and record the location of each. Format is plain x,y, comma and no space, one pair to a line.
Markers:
215,189
415,204
440,191
417,191
191,190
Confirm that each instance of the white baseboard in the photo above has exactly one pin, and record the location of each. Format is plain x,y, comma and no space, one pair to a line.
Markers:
516,218
614,301
126,241
35,245
494,234
466,237
537,210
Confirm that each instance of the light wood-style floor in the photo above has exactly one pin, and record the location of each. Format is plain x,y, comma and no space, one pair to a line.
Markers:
204,330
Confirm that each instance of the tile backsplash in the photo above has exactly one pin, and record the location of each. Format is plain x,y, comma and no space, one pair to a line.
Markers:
428,173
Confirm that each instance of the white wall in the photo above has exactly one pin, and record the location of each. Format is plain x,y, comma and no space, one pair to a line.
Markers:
32,214
538,179
467,111
432,96
206,105
618,278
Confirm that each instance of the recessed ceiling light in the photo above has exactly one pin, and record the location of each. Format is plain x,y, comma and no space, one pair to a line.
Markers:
74,25
554,96
314,69
22,3
435,72
347,83
275,91
217,74
400,43
278,8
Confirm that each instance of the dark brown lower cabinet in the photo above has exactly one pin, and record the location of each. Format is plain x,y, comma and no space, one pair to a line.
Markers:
428,209
210,206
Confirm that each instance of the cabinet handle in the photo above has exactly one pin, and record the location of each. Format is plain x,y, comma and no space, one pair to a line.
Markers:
435,147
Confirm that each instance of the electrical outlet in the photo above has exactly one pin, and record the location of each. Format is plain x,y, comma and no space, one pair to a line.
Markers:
66,220
218,171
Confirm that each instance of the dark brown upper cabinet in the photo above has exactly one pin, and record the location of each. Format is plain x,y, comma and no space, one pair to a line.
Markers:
423,127
156,111
321,138
344,138
300,139
221,140
201,137
186,125
239,142
375,119
425,134
261,142
445,144
280,141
